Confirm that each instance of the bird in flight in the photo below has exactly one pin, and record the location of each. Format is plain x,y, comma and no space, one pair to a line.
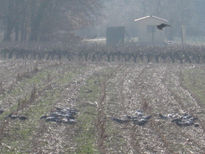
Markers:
163,25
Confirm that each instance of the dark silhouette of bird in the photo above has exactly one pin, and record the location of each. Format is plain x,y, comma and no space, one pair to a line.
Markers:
163,25
15,116
162,116
61,116
185,120
12,116
141,121
139,113
22,118
121,121
196,125
44,117
1,111
54,119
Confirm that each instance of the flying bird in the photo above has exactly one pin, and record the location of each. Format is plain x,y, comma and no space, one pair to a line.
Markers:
163,25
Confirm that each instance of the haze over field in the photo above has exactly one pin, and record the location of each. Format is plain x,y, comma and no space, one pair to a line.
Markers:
61,20
102,76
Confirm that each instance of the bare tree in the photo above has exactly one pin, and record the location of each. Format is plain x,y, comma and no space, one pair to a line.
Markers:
37,20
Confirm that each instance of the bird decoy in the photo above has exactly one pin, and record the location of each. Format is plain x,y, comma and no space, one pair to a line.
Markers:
12,116
120,120
54,119
139,113
162,116
1,111
147,117
22,118
43,117
185,120
141,121
61,116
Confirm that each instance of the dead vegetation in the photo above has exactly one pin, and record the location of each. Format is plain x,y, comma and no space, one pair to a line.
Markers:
102,53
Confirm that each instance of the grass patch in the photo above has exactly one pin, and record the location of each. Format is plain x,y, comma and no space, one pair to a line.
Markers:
66,78
19,137
20,133
194,81
86,138
87,120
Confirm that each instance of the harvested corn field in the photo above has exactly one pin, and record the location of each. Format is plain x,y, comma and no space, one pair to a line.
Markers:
71,107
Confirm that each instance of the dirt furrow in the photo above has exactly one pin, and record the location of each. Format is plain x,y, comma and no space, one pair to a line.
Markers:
149,140
61,136
138,139
188,104
164,102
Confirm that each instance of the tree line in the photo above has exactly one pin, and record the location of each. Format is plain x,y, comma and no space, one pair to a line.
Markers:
41,20
47,20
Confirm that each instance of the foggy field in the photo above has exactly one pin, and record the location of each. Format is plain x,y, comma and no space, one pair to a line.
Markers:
100,92
102,77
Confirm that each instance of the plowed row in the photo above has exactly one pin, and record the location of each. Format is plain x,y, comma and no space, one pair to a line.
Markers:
99,92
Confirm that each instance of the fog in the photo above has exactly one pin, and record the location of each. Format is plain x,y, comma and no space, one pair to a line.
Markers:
186,13
63,20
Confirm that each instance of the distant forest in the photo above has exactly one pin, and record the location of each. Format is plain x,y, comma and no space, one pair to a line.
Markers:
38,20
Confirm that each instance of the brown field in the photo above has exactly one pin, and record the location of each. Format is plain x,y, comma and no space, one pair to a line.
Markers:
99,91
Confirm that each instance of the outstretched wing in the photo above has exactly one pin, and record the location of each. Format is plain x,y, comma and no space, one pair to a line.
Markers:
163,25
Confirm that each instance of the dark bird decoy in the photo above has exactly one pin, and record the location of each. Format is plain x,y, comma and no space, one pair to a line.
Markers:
61,116
43,117
22,118
139,113
12,116
68,121
163,25
54,119
147,117
1,111
140,122
162,116
120,120
132,117
185,120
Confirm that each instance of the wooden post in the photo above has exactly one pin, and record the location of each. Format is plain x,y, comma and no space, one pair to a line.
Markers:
182,34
